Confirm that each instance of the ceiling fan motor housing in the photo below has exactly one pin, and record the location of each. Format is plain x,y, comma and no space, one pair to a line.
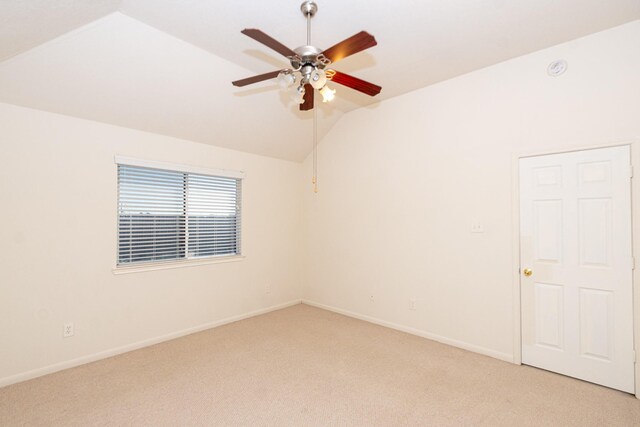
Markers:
308,59
308,54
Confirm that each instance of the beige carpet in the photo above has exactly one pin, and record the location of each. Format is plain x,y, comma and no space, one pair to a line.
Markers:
303,366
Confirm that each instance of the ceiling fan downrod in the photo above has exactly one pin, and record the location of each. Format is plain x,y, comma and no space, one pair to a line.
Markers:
309,9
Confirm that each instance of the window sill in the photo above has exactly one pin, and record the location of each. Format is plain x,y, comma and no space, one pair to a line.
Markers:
174,264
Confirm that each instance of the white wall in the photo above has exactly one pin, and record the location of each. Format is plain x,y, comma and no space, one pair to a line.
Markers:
401,183
58,214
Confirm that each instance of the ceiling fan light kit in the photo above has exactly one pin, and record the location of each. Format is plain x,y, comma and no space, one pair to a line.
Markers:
309,64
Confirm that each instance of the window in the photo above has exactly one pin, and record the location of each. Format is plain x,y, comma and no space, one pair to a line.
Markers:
168,214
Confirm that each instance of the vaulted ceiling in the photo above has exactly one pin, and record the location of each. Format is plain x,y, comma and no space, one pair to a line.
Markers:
166,66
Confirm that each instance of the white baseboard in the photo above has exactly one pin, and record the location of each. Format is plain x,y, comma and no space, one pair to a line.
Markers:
455,343
135,346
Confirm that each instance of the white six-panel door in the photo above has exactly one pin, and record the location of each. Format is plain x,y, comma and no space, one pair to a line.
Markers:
575,238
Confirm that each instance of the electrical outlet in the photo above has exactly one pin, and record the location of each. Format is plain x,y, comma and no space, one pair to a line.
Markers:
67,330
412,304
371,298
268,289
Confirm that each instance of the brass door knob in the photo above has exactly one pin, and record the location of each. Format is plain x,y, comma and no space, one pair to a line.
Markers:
527,272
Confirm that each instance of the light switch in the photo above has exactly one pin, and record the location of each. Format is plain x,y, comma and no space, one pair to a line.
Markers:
477,227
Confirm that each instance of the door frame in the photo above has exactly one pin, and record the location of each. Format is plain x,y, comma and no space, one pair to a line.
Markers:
634,146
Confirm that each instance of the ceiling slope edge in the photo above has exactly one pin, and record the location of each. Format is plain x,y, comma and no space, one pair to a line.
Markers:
171,137
490,66
324,128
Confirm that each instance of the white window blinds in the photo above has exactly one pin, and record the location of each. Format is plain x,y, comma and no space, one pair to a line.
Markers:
172,215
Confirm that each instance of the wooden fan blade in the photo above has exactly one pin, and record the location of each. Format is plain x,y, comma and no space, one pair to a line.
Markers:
308,98
268,41
356,83
256,79
353,44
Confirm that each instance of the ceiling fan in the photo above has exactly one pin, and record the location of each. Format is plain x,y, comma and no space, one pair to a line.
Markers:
309,64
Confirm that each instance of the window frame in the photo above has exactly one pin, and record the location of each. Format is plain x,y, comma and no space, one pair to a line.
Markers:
179,262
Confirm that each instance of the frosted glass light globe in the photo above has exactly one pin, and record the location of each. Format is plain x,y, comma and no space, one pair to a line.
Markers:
327,94
286,79
318,79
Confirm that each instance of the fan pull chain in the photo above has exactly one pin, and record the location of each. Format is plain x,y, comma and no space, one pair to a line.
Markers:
314,180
